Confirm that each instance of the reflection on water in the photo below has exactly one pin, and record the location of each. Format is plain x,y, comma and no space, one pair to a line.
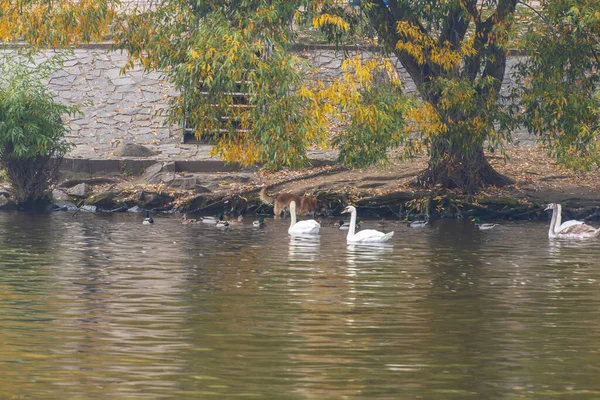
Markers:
101,306
304,248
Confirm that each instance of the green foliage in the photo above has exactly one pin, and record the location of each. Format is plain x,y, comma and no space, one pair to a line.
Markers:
376,125
237,81
54,24
559,81
455,51
32,130
31,121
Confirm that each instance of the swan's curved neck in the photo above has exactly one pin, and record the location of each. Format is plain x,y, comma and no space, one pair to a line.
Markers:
293,213
352,223
556,220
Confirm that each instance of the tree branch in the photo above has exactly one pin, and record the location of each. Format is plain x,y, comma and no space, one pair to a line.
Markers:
455,27
385,21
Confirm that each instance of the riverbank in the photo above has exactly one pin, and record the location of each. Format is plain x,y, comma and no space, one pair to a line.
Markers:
377,192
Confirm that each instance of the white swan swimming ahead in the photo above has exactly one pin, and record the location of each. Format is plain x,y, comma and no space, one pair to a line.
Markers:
364,236
307,227
569,229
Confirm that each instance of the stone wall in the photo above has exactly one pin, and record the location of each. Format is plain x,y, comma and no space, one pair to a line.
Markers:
124,108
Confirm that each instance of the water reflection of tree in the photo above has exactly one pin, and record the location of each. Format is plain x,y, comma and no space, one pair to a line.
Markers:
460,340
114,289
501,311
27,260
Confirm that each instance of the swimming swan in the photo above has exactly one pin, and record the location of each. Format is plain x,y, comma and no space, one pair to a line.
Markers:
365,236
569,229
307,227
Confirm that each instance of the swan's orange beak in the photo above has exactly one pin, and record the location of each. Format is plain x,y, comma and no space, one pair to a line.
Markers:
344,211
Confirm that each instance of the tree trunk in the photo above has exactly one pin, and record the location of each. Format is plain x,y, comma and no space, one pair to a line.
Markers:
452,168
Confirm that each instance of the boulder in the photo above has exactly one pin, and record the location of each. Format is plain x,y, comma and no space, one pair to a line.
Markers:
64,206
183,182
59,195
102,200
154,200
241,178
134,150
201,189
4,201
152,171
80,190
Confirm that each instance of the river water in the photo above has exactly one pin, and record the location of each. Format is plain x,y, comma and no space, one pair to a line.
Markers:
103,307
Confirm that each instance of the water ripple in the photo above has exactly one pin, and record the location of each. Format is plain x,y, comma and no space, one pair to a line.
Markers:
101,306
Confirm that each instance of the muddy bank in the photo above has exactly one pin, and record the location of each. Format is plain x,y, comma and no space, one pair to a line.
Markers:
235,195
385,192
396,205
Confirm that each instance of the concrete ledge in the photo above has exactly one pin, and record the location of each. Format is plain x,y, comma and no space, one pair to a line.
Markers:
133,166
105,167
206,166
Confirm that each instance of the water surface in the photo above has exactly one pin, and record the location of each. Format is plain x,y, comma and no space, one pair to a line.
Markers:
101,306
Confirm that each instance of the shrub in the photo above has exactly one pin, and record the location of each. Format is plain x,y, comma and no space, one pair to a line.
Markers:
32,129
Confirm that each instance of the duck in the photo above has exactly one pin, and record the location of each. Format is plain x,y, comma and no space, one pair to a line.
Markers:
364,236
345,225
187,221
572,229
306,227
259,223
148,220
419,223
482,227
238,221
381,224
222,224
212,220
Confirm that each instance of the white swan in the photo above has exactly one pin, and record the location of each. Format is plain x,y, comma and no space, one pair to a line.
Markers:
569,229
364,236
307,227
